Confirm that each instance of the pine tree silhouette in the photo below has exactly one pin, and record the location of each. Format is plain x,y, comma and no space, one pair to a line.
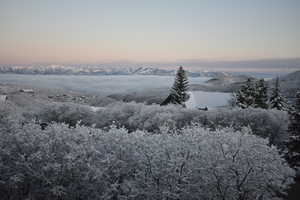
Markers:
293,145
178,93
261,94
245,97
277,101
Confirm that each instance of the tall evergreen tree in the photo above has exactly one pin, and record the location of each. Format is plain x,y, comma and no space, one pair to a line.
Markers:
178,93
293,145
261,94
245,97
277,101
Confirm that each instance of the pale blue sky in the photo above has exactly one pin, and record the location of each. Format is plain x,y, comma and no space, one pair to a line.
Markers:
154,30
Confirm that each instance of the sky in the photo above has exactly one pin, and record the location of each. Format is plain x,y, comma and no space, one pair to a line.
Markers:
92,31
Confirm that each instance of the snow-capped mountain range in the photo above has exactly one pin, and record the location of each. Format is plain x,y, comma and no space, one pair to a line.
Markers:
100,70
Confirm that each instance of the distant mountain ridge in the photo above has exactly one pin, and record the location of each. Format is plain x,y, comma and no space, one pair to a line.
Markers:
100,70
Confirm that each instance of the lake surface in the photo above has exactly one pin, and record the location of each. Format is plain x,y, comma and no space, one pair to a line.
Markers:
207,99
112,84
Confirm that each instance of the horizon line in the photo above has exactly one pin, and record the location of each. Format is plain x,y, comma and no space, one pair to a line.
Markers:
178,61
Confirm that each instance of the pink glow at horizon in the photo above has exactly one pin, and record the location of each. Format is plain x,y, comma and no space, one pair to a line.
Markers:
147,31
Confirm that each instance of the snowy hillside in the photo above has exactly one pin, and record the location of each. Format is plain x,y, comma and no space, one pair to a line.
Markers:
289,83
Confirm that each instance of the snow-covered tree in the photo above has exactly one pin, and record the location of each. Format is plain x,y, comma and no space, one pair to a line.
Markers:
252,94
178,94
277,100
270,124
293,144
68,113
261,94
86,163
245,97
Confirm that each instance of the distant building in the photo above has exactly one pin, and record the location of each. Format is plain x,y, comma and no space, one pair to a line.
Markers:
27,91
43,125
204,108
3,98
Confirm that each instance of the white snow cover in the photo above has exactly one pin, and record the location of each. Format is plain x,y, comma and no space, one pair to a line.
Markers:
191,103
200,99
95,109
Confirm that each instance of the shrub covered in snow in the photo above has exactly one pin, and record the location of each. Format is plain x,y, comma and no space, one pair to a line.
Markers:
67,113
135,116
86,163
271,124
